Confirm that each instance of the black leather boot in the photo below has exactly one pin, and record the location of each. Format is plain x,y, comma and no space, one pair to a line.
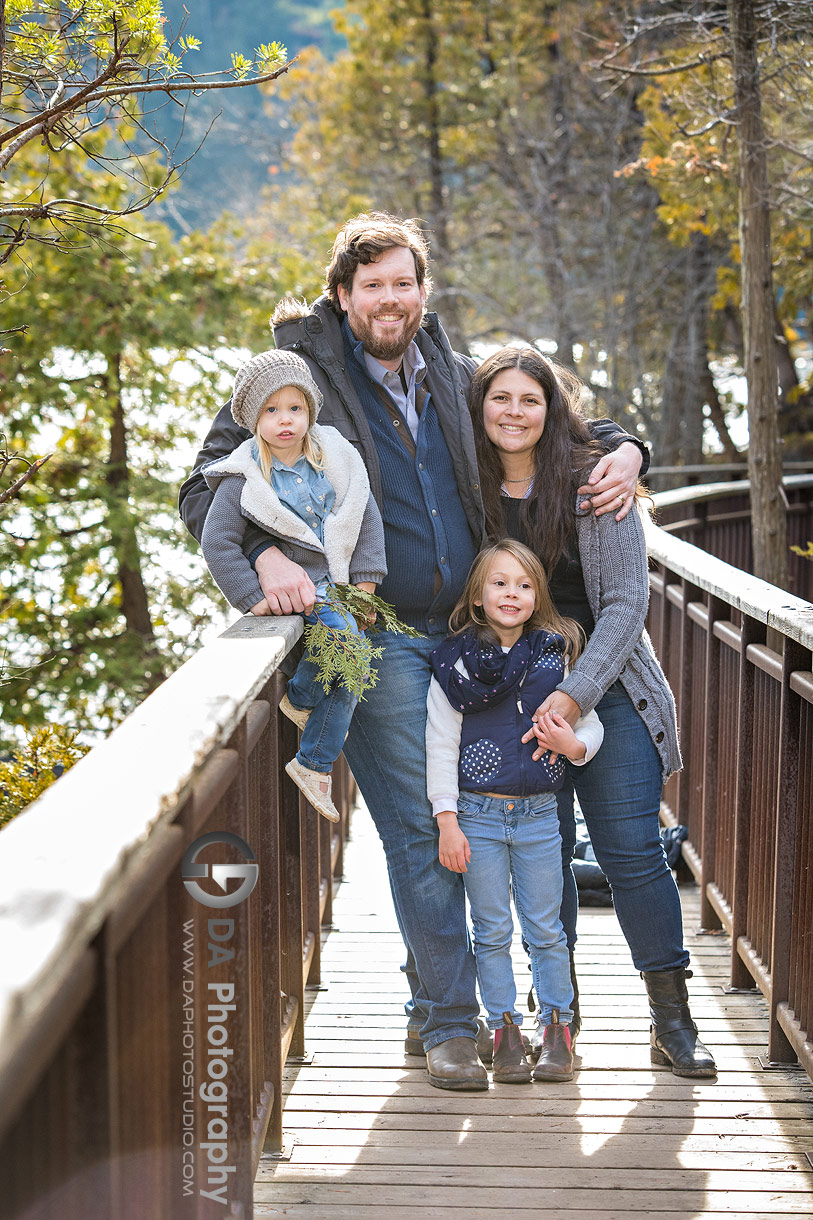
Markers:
673,1035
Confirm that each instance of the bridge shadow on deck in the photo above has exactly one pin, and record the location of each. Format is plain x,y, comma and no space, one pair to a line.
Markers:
370,1139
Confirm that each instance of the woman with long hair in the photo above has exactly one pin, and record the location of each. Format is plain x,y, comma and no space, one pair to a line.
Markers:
534,449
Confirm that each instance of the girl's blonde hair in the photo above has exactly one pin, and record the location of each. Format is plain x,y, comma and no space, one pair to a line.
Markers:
311,449
545,616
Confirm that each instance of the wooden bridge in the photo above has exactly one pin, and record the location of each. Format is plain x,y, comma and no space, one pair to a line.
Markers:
155,1059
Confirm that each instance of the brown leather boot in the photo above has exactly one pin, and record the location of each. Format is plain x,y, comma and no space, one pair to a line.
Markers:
556,1056
484,1042
510,1065
454,1064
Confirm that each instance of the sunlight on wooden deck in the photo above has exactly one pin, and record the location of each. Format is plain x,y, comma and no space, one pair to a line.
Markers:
369,1139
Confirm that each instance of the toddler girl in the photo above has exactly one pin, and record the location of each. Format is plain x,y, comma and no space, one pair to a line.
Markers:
494,804
307,487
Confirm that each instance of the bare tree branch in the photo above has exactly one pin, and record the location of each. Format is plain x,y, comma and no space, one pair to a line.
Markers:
18,484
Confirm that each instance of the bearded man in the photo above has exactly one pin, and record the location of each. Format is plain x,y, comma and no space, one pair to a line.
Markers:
395,389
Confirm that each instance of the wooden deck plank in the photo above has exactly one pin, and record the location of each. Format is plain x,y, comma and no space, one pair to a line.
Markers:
473,1210
370,1139
552,1203
469,1211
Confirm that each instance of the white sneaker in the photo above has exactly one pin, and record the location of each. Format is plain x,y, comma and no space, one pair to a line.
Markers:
316,787
299,715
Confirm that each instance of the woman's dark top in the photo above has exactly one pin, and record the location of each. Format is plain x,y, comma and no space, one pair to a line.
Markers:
566,582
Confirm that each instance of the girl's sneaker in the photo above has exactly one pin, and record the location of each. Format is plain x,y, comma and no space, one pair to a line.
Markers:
555,1060
509,1064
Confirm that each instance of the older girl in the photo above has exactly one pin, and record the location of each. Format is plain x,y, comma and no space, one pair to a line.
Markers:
494,802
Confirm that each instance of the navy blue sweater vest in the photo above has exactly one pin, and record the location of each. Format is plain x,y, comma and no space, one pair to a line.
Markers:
492,756
425,526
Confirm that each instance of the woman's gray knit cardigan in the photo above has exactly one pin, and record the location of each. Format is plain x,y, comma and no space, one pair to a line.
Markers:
616,580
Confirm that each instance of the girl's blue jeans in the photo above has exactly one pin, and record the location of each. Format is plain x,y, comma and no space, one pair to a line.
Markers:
516,849
329,721
619,794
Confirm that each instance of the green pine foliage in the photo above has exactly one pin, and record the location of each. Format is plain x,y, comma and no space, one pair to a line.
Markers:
344,656
129,352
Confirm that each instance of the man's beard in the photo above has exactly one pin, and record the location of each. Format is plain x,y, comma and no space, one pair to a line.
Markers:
385,347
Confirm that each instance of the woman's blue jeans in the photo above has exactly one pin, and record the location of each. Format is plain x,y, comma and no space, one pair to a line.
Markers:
323,736
619,794
516,849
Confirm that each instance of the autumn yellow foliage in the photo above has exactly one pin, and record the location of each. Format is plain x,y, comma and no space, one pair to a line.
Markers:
49,752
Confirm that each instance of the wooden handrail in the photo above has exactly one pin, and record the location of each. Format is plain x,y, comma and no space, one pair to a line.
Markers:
112,969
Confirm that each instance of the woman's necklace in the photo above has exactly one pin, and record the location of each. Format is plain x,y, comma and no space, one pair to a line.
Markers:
529,479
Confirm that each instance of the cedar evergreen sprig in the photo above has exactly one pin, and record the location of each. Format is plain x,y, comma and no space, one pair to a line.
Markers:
343,656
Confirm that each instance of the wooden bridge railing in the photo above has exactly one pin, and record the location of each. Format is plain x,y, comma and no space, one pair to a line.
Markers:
143,1029
739,656
717,518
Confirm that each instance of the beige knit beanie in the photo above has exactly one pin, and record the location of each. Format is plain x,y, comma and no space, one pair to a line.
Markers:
256,381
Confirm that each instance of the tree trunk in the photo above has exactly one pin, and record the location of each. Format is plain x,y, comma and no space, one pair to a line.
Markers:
732,453
667,442
2,40
134,603
447,299
796,406
535,159
700,278
768,521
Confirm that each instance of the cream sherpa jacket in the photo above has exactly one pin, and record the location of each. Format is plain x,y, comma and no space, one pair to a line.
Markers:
353,549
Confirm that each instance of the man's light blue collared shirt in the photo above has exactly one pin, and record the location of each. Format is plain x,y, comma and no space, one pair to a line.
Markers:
305,491
414,368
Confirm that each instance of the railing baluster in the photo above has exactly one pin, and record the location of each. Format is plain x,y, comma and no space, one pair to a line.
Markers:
709,919
779,1048
752,633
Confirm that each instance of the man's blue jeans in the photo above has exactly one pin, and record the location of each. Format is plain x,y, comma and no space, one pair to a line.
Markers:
386,751
619,793
324,734
516,849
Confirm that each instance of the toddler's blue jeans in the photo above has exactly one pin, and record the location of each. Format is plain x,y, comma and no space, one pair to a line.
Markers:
324,734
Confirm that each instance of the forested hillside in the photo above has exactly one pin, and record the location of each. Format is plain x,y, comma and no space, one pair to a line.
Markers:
243,138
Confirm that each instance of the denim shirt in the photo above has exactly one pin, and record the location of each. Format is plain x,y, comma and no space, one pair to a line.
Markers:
414,368
305,491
